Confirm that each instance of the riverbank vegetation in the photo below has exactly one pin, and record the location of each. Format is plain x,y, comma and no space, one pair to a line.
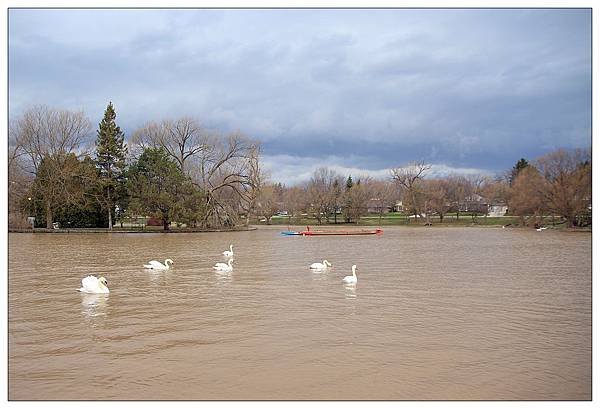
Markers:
399,219
173,171
177,174
555,189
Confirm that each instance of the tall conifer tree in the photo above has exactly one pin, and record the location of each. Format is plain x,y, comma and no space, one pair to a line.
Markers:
110,159
349,182
519,166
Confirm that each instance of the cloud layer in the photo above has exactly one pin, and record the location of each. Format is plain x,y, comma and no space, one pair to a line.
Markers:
361,89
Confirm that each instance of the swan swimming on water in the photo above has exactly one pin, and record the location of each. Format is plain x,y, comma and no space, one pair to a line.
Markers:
229,253
320,266
157,265
94,285
351,279
224,267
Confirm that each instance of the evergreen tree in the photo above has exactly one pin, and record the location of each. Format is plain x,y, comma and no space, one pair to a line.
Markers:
347,201
519,166
349,182
159,188
110,160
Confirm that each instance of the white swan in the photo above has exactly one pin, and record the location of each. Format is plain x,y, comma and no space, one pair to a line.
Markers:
157,265
94,285
351,279
229,253
224,267
541,229
320,266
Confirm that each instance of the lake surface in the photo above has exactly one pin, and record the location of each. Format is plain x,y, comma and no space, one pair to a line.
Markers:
437,314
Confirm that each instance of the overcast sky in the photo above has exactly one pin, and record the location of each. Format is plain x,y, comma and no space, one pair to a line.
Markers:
361,91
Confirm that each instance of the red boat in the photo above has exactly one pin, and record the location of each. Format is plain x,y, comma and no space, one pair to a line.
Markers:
351,232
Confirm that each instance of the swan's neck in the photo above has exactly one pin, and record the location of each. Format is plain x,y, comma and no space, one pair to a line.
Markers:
354,272
229,262
231,247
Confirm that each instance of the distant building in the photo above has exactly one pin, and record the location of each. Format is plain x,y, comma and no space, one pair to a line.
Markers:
153,221
376,205
498,209
478,204
474,203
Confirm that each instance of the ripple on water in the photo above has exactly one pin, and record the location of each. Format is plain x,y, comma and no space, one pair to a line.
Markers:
436,314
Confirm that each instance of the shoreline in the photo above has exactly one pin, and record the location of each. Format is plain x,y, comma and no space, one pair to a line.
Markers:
276,226
435,226
126,231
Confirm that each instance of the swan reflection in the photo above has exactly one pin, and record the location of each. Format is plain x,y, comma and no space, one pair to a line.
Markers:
159,277
317,276
223,277
94,305
350,291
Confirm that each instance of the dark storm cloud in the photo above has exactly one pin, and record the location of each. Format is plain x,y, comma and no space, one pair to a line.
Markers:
469,89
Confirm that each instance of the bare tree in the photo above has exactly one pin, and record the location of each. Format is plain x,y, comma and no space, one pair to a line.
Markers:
42,131
409,178
50,136
252,186
269,201
496,189
321,192
436,193
293,201
356,199
336,197
382,195
184,139
526,198
568,182
230,176
148,136
19,185
459,189
225,168
475,184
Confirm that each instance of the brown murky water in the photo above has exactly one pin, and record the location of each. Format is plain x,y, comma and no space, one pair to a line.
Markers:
438,313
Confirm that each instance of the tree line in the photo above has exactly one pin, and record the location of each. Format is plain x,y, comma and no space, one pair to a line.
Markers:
556,184
178,171
174,170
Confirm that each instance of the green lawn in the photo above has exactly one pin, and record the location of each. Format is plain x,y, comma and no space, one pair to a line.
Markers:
398,219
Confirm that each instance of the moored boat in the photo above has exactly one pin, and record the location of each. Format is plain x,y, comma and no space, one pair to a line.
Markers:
290,233
351,232
332,232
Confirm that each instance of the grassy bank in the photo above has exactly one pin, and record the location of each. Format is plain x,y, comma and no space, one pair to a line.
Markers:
397,219
390,219
144,229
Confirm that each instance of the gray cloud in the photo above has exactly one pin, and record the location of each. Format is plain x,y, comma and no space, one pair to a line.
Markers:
465,89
